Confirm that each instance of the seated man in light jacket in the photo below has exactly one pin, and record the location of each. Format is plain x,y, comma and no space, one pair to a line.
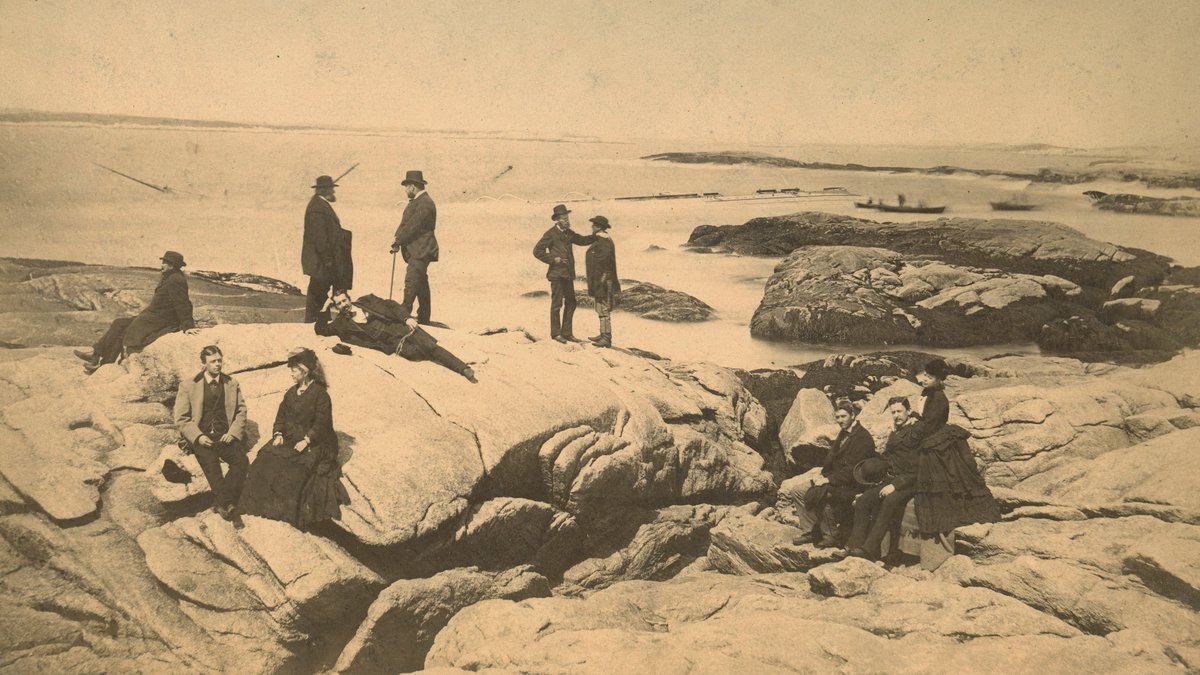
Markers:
211,415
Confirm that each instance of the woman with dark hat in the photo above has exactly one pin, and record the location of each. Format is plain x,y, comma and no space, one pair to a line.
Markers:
296,477
169,311
950,491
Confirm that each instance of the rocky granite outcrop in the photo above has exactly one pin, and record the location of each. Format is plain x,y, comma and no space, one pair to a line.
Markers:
856,295
1159,206
1015,246
585,510
649,301
50,302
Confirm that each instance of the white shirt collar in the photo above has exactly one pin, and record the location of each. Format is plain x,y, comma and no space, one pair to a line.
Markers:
209,379
325,198
418,194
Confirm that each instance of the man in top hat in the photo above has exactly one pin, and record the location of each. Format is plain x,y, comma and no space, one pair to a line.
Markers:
169,311
555,249
325,255
417,244
600,261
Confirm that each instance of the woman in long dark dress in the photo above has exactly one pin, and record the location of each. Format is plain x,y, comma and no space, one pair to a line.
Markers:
950,490
296,477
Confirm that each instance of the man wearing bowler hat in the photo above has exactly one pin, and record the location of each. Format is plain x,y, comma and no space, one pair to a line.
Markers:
600,261
325,255
555,249
169,311
417,244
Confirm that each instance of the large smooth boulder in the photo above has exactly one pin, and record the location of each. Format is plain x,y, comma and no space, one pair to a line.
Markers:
856,295
402,622
809,428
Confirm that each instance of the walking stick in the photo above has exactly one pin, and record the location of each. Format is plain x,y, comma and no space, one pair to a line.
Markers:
392,285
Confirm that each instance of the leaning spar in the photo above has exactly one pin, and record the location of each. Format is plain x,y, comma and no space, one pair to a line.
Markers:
161,188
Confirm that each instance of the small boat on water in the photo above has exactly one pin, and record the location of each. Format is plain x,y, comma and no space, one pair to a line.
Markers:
867,205
894,208
1012,206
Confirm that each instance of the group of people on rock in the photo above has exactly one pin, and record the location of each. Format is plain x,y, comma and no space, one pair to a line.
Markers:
295,476
862,495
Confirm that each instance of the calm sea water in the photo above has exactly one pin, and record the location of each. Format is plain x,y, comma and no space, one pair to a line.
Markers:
239,198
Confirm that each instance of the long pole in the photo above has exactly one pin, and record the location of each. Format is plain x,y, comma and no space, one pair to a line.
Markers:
346,172
392,285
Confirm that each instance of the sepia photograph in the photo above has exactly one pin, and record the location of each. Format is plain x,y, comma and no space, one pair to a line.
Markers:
593,337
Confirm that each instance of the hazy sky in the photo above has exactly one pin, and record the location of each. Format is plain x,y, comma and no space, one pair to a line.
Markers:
1087,73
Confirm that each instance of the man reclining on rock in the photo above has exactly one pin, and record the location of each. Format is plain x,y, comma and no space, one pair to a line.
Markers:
384,325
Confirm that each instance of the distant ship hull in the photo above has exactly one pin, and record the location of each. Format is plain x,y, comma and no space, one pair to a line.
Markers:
1011,206
911,209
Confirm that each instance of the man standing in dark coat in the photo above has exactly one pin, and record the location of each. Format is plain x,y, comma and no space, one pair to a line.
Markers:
386,326
555,249
169,311
603,285
417,244
325,255
210,413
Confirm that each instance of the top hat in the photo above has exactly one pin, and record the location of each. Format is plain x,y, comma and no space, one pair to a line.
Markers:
559,210
414,178
325,182
600,222
871,471
938,369
176,259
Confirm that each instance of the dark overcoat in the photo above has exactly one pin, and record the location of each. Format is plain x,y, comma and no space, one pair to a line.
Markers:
415,237
559,243
849,448
170,310
326,251
600,261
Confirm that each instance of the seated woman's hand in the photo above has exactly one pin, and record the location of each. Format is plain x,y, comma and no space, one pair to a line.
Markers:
278,440
302,445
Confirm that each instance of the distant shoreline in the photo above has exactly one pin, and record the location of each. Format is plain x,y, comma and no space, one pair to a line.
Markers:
1163,179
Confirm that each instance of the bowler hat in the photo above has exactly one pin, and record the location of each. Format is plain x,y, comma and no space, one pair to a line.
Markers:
600,222
870,471
559,210
938,369
325,182
174,258
413,178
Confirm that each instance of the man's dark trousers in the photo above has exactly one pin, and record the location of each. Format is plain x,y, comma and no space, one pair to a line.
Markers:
562,296
226,489
318,293
868,532
416,288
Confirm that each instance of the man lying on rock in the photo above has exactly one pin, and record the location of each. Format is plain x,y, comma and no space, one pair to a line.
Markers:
384,325
169,311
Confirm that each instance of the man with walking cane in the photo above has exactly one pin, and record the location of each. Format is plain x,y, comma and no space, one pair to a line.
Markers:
325,256
417,244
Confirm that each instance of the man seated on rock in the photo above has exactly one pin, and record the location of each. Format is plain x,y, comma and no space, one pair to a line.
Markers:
211,414
384,325
169,311
826,510
879,508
